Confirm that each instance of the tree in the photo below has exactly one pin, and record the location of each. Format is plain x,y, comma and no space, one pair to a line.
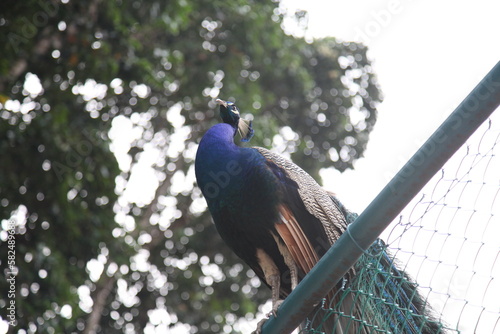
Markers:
89,256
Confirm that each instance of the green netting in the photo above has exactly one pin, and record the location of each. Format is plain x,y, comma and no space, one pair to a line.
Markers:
442,255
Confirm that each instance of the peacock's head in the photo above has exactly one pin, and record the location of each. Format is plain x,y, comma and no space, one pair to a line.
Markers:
231,115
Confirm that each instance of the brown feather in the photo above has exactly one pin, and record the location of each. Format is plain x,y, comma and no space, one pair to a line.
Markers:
296,241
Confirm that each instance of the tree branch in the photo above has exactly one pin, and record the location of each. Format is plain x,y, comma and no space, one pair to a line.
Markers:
102,293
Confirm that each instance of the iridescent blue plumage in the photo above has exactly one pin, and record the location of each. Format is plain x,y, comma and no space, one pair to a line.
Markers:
277,219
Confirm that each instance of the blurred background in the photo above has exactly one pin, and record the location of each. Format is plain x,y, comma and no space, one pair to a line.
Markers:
102,105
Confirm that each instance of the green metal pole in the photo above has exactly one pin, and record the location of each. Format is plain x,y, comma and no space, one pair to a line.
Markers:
433,154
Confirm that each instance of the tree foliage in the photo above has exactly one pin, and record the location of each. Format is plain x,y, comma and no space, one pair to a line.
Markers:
72,72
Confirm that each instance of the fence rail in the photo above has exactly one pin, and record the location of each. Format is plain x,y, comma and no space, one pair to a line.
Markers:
425,163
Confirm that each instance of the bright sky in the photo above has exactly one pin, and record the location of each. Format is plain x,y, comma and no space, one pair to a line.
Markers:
428,55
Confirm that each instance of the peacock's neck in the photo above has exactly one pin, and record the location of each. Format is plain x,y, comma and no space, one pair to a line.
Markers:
219,162
215,146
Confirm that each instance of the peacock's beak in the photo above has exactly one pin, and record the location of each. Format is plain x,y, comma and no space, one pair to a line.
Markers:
222,103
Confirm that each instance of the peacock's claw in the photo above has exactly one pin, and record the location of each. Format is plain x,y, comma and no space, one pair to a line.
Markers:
273,312
258,330
276,306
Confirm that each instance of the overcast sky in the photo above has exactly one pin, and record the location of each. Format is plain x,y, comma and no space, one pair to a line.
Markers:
427,55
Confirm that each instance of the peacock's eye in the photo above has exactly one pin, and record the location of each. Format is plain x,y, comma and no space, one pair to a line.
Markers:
235,110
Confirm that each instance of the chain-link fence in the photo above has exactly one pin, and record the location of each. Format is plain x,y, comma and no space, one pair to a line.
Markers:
446,240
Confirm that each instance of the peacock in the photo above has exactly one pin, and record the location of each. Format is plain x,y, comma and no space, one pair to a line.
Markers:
279,221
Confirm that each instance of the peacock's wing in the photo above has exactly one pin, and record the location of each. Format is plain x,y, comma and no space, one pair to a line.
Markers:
317,201
332,217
